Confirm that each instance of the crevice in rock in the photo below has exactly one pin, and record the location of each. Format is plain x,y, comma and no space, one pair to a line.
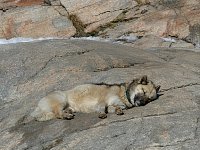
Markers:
180,142
196,129
164,114
3,10
167,58
194,36
53,144
6,6
176,6
60,5
114,67
47,2
77,23
104,13
125,9
22,119
179,87
60,13
117,135
142,2
80,26
86,6
172,3
188,40
120,18
170,45
63,7
57,56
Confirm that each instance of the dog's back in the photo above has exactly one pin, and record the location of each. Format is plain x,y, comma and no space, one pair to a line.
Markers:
91,98
84,98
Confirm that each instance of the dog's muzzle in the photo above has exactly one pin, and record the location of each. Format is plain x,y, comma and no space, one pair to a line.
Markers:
139,100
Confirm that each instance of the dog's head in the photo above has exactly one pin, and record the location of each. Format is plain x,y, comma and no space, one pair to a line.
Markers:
142,91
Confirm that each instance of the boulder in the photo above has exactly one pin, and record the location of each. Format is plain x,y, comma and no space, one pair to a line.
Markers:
182,44
165,18
108,19
150,41
29,71
96,13
8,4
36,21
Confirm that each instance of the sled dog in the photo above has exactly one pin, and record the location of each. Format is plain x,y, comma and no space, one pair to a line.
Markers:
96,98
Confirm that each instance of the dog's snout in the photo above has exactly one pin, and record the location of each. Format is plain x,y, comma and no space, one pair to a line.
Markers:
137,103
139,100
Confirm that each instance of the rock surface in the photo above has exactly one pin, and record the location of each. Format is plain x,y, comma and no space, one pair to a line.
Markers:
94,14
8,4
151,41
108,19
36,22
29,71
167,18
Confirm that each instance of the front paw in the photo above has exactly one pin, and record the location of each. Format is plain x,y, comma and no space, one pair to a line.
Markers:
119,111
102,115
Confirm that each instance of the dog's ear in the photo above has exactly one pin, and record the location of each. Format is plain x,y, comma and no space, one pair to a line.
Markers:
157,88
143,80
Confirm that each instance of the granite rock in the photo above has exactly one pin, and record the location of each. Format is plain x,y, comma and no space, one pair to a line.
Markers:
29,71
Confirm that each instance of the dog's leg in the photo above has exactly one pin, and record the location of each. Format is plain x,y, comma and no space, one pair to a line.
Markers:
127,103
102,112
119,111
116,109
102,115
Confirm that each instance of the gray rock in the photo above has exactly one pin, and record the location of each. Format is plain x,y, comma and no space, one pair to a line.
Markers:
149,41
182,44
35,22
29,71
95,13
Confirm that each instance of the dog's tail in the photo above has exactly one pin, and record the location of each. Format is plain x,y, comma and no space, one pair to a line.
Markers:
40,115
46,110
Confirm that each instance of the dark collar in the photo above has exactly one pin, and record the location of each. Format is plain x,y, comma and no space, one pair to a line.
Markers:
128,95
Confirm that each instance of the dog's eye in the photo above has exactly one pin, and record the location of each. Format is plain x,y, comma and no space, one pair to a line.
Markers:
143,91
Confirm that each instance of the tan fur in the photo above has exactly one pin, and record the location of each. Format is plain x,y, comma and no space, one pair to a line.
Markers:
90,98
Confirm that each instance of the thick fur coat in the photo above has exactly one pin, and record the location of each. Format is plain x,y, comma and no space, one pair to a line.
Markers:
95,98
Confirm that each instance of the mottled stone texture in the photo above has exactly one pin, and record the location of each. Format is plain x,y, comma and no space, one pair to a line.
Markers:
29,71
111,19
7,4
36,22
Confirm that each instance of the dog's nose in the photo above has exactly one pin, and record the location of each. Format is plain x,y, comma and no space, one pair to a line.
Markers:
139,103
139,100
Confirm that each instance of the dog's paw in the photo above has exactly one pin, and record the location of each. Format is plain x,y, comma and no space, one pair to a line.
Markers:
102,115
119,111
